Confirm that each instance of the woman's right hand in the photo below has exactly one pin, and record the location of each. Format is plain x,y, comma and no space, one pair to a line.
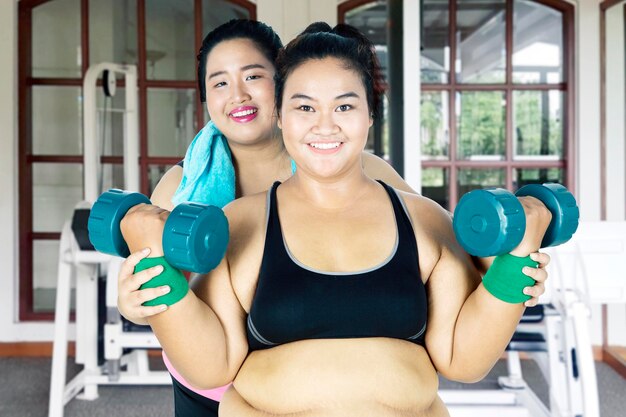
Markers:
142,227
129,295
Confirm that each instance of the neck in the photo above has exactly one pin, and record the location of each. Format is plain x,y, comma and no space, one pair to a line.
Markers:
258,165
336,194
248,155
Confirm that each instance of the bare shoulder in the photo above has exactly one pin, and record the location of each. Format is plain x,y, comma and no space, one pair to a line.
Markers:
446,270
247,208
428,215
378,169
247,220
432,225
165,189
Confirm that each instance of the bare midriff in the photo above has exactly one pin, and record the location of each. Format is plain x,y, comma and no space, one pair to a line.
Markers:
336,377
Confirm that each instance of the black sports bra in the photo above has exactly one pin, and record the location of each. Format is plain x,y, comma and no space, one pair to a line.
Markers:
293,302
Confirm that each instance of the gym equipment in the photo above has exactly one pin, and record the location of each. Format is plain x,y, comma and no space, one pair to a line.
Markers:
491,222
556,333
195,236
101,344
111,350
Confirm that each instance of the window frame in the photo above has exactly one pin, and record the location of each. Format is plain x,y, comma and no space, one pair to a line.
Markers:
452,87
26,158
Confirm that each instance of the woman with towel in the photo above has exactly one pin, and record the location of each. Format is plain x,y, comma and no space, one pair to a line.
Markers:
240,152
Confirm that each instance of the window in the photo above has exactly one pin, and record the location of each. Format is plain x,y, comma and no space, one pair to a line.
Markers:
497,82
495,87
58,41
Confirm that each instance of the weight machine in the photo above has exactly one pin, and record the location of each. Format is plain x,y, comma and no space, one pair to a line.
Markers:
101,342
555,334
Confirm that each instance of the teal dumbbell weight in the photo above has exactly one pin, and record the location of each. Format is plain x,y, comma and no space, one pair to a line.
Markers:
195,236
491,222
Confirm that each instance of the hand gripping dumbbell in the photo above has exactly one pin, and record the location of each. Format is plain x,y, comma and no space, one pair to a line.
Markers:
491,222
195,236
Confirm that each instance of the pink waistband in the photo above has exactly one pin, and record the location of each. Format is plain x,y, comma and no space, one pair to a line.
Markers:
214,394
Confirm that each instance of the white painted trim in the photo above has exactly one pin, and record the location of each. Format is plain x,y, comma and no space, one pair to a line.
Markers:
412,95
615,101
587,55
8,171
615,133
32,332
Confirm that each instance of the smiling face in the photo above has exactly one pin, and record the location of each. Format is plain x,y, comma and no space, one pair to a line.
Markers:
240,91
325,117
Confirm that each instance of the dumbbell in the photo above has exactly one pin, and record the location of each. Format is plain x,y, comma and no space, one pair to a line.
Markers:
491,222
195,236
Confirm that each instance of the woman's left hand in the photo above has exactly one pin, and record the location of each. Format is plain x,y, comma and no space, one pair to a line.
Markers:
539,274
538,218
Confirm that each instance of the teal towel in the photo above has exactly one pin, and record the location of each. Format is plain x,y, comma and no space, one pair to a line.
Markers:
208,171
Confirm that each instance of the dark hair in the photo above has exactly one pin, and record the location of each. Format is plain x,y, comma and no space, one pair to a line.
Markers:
261,34
345,42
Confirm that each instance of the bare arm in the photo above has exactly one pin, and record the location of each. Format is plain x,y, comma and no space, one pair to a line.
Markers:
377,168
129,295
196,335
205,342
468,327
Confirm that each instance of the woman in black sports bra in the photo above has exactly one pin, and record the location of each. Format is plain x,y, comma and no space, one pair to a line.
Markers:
338,295
235,71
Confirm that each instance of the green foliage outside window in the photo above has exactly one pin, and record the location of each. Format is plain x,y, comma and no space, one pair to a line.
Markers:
481,124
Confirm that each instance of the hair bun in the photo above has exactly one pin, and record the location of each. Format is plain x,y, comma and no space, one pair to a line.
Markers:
318,27
348,31
344,42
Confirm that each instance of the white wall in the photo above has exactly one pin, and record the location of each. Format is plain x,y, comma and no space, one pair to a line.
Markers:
587,123
9,329
615,113
588,108
615,101
288,20
288,17
412,94
8,166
